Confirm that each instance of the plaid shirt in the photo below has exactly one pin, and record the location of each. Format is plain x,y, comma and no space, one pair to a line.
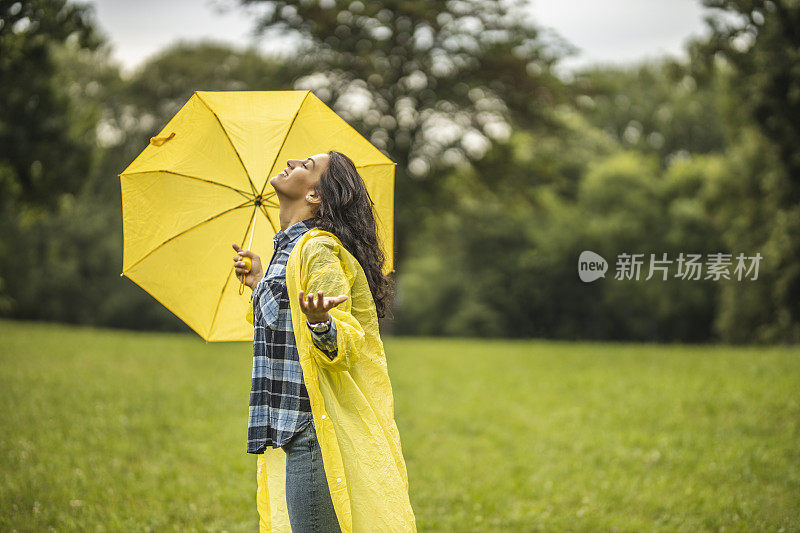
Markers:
279,402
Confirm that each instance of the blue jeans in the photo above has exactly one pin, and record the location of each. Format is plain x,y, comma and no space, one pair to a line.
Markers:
308,498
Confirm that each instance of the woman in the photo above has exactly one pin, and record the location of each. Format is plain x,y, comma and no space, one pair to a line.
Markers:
321,407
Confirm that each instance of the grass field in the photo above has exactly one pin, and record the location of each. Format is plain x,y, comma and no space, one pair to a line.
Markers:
108,430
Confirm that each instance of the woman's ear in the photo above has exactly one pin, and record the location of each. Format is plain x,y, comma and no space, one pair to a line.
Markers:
313,198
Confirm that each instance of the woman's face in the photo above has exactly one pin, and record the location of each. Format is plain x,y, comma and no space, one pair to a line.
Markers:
300,176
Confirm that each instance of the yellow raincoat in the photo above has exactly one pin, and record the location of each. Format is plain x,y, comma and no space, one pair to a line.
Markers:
351,401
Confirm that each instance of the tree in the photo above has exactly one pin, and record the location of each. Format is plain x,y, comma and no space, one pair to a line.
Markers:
44,151
438,81
654,107
41,154
755,47
760,41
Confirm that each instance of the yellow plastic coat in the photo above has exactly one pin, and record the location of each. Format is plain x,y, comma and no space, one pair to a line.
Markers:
351,401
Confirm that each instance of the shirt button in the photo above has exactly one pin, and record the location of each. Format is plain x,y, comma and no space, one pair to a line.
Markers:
338,480
323,416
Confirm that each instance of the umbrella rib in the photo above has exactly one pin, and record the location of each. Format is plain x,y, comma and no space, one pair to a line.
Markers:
249,180
188,230
241,192
263,210
287,133
264,202
228,277
268,200
372,165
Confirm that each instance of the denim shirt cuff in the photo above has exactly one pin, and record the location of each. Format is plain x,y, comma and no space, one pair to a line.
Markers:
325,341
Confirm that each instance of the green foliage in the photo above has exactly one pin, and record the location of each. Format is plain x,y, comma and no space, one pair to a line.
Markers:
745,202
162,85
506,172
759,43
47,138
669,164
131,431
435,73
501,260
656,108
755,49
43,152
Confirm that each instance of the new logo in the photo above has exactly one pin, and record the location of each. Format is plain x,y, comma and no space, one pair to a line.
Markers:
591,266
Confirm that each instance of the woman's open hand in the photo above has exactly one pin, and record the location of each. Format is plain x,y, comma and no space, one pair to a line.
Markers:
252,276
317,309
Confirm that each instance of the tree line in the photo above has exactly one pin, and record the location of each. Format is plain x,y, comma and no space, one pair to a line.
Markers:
506,171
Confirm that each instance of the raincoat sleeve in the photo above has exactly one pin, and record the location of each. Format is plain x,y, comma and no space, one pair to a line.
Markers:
323,270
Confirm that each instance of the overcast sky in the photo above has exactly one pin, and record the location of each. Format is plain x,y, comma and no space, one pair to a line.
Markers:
611,31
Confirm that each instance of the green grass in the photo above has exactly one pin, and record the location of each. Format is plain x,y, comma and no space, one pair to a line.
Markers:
107,430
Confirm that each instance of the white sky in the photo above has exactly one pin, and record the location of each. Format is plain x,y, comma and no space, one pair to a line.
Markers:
609,32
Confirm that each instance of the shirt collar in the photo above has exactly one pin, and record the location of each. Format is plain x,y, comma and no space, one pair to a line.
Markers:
293,232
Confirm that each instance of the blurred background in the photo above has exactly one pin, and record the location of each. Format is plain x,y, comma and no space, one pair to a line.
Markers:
672,128
524,133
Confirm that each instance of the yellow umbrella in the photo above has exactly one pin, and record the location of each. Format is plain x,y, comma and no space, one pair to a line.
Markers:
203,183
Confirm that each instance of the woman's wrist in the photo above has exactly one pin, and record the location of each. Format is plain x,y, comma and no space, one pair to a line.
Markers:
255,281
316,320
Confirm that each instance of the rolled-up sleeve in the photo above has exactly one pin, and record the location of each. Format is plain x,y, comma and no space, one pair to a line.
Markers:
325,341
270,294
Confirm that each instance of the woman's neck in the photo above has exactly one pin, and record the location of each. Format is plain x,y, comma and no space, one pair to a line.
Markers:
292,214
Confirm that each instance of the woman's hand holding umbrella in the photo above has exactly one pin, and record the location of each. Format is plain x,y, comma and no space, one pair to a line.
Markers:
252,272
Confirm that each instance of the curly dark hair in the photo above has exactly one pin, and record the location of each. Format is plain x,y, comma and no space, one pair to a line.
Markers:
346,211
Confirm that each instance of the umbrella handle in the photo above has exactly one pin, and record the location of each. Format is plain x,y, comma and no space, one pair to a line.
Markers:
249,264
158,141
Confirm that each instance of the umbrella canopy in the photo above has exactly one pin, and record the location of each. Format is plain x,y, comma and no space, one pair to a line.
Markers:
203,183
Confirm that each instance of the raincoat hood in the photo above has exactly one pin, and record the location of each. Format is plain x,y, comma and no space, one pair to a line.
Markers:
351,401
